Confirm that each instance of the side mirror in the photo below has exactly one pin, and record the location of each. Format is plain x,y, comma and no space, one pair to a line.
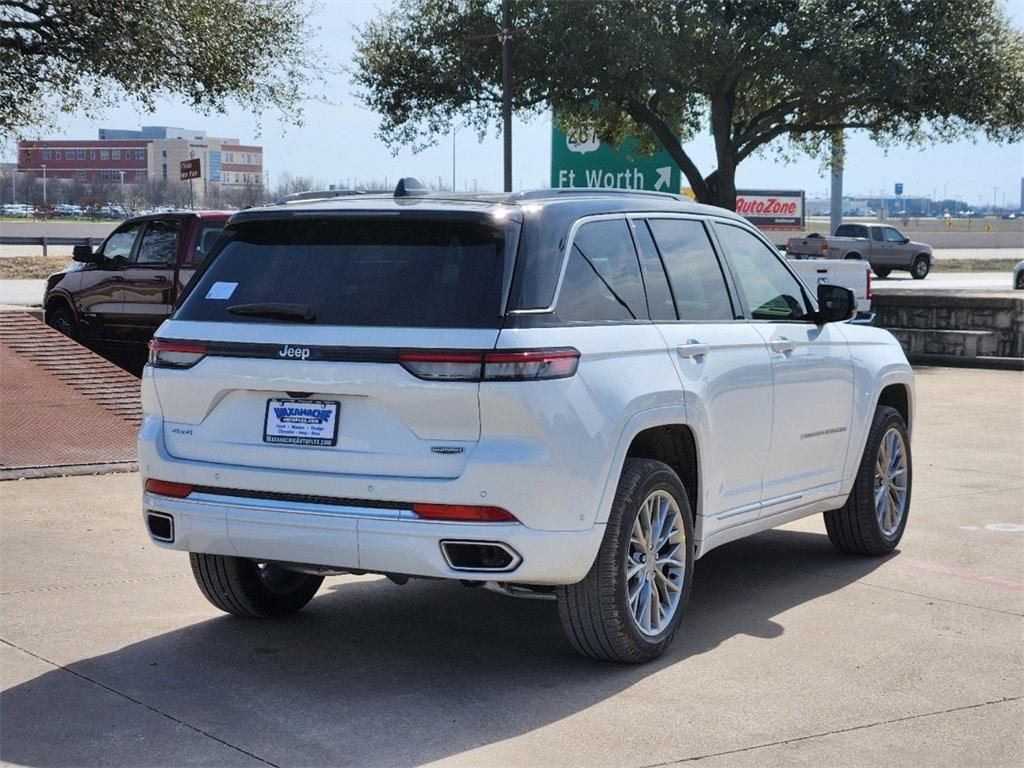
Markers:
835,304
84,254
906,240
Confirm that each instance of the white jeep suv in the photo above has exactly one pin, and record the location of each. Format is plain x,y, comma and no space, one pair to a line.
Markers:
576,393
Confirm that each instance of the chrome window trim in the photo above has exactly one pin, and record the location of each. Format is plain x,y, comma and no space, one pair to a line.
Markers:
565,260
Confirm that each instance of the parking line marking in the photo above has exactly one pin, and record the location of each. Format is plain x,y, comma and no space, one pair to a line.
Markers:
945,570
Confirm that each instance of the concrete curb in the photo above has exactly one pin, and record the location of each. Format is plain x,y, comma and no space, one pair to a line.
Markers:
66,470
958,361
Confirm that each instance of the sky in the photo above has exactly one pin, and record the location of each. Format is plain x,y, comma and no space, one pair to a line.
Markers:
337,143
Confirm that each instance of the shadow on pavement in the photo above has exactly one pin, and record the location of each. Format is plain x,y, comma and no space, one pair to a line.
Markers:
376,674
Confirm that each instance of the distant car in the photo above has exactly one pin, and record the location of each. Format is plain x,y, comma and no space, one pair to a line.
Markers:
882,246
120,293
1018,275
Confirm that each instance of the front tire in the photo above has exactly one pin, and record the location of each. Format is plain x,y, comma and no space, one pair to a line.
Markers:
920,268
63,319
632,601
250,589
875,515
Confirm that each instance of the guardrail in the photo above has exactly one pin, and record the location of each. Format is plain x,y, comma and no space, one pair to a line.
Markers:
46,242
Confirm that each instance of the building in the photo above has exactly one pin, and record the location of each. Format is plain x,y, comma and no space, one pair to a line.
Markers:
154,152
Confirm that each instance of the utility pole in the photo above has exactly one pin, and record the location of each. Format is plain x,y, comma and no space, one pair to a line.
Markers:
835,217
44,186
506,88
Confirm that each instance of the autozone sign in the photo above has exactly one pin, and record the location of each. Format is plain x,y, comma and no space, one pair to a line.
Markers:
771,209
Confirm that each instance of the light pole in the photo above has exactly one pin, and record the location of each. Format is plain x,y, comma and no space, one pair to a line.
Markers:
44,186
122,188
455,130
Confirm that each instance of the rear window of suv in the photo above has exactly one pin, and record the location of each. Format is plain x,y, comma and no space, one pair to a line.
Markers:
375,271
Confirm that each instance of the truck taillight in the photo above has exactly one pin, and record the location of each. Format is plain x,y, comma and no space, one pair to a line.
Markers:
175,354
504,365
868,295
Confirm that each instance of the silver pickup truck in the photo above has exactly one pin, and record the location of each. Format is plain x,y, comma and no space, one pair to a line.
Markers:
883,247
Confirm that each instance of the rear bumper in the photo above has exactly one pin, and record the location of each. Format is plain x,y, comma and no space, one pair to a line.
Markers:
364,538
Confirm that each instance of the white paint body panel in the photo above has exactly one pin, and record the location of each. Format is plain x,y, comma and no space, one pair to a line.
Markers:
778,434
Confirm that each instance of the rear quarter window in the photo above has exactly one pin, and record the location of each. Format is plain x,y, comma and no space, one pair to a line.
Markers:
373,271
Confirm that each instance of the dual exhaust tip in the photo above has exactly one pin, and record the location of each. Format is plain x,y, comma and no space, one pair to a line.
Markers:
492,556
489,556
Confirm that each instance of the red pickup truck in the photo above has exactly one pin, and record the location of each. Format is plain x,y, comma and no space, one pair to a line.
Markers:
122,291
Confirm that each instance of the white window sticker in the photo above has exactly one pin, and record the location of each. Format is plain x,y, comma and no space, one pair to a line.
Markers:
221,290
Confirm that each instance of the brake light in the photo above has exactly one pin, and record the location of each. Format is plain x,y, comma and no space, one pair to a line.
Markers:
824,246
463,512
504,365
165,488
175,354
869,285
531,365
443,366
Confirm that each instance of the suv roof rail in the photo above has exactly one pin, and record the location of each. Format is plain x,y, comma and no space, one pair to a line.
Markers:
540,194
320,194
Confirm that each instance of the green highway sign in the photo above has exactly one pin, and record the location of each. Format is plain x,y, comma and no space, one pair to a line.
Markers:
580,159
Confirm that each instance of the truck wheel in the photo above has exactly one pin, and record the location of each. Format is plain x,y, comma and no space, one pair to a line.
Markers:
875,515
853,256
919,270
882,272
630,604
63,320
254,590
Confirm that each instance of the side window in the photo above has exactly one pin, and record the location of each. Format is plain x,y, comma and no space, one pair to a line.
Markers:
876,234
693,270
772,293
602,279
160,243
659,295
118,249
893,235
208,235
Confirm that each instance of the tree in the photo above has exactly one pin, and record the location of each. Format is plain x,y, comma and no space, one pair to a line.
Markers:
77,56
751,72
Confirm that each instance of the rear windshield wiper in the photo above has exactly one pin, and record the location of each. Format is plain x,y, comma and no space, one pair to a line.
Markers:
299,313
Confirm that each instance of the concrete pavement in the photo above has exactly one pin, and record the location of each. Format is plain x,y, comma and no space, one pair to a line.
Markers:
790,653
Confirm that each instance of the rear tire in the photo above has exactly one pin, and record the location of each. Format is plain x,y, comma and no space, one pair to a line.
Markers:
875,515
653,564
63,319
852,256
882,272
1019,285
255,591
920,268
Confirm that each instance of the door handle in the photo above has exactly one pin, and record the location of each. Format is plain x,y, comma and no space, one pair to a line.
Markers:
782,344
116,279
160,279
693,348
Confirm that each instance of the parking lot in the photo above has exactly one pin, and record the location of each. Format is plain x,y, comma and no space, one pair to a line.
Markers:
790,655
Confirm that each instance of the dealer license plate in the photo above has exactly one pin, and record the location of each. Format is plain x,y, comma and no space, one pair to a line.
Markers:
301,422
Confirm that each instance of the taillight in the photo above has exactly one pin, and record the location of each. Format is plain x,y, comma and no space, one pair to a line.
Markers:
443,366
869,285
165,488
824,246
504,365
463,512
175,354
531,365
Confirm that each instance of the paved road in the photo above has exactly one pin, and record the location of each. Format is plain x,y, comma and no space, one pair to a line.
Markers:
790,655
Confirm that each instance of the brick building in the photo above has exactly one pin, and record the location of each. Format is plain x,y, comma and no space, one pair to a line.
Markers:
152,153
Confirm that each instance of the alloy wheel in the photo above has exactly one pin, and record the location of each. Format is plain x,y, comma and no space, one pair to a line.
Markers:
655,563
891,481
